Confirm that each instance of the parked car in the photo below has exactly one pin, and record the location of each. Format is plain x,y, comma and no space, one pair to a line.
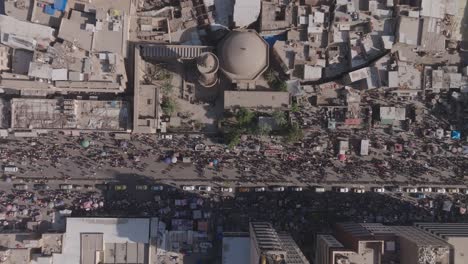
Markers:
394,189
20,186
157,188
204,188
188,188
359,190
66,186
40,187
88,187
120,187
141,187
226,189
378,189
259,189
77,187
278,189
296,189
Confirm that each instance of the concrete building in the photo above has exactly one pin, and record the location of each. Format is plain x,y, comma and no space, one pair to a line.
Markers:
111,240
455,234
243,55
268,246
420,247
65,114
356,243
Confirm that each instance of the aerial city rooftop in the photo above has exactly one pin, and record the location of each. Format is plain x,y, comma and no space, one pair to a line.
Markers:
233,131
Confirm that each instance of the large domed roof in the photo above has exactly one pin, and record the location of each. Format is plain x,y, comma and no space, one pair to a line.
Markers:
243,55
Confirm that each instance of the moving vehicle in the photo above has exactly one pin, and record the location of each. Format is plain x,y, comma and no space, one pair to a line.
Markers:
319,189
120,187
157,188
453,190
40,187
226,189
425,189
439,190
141,187
204,188
10,169
278,189
243,189
102,187
410,190
378,189
188,188
359,190
66,186
341,189
260,189
20,186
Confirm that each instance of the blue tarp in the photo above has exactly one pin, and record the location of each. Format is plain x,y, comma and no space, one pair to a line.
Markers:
273,38
49,9
60,4
456,134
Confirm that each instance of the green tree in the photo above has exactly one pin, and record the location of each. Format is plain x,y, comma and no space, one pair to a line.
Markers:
294,134
232,138
244,117
280,118
263,129
169,106
295,108
281,86
167,88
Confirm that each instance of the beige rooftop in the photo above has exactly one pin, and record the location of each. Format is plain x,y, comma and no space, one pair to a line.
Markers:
243,55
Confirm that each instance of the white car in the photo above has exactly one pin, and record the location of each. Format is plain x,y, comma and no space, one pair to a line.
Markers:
378,189
188,188
66,186
342,189
204,188
440,190
259,189
453,190
359,190
296,189
410,190
226,189
425,189
465,191
319,189
278,189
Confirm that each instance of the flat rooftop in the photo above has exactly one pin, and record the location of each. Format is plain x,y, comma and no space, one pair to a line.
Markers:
118,240
256,99
27,113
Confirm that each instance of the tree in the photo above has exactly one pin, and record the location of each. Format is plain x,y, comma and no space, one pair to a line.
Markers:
281,86
263,129
232,138
294,134
244,117
295,108
167,87
168,106
280,118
